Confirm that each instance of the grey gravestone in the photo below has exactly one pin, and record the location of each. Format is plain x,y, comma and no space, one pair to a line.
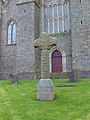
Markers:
13,79
74,75
45,87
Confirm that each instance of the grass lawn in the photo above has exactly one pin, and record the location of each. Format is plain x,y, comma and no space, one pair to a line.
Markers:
18,102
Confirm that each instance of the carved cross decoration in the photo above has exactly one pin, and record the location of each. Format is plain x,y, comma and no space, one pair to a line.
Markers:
45,42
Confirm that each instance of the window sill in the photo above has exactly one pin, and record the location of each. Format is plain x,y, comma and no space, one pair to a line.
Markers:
11,44
63,33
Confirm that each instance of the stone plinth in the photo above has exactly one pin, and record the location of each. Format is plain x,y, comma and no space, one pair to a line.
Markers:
45,89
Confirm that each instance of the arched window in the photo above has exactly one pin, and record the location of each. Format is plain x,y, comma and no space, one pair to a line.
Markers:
11,33
55,11
50,11
58,12
60,9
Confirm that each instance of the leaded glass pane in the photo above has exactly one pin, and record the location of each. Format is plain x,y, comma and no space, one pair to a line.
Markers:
46,26
55,26
51,26
65,11
65,24
45,12
55,11
60,10
50,11
9,33
13,34
60,25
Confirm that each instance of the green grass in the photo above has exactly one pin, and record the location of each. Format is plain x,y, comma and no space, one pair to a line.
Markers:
18,102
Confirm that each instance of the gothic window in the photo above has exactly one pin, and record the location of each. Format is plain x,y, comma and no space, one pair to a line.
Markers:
55,11
50,11
11,33
56,15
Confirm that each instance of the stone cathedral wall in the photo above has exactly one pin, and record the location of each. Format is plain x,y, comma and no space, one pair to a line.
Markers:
23,59
80,25
8,53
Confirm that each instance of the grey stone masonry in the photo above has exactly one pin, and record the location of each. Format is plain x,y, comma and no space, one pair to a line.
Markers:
1,2
24,60
80,24
45,90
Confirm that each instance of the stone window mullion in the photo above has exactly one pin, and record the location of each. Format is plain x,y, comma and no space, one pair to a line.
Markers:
53,17
68,16
57,18
48,26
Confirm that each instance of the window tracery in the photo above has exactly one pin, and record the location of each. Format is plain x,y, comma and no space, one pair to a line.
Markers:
11,33
56,16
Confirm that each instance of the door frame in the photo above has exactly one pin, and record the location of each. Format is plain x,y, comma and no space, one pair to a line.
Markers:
63,58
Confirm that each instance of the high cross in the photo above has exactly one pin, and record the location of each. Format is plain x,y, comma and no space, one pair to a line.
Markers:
45,42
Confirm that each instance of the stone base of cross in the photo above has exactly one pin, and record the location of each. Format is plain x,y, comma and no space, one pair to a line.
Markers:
45,87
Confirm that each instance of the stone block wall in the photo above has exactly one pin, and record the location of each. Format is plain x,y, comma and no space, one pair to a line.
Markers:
37,34
0,36
8,52
27,33
19,59
23,59
80,23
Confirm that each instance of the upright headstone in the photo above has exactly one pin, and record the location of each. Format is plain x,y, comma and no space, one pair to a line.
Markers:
74,75
45,87
13,79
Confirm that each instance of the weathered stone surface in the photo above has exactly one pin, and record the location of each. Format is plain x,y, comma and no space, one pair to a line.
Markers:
45,42
2,1
45,89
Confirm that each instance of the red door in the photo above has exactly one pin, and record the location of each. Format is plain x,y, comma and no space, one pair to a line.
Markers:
56,61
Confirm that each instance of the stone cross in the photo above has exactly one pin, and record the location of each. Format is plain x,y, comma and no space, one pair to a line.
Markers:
45,42
45,85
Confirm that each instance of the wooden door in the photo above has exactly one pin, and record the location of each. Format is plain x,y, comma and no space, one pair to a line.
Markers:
56,61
